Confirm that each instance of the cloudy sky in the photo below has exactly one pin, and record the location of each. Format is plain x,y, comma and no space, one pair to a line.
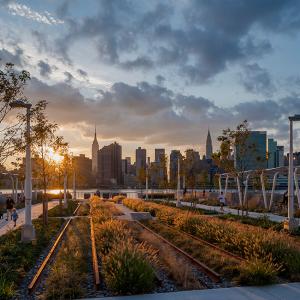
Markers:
157,73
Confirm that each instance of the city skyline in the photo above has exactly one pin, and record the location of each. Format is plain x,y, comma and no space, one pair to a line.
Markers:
150,95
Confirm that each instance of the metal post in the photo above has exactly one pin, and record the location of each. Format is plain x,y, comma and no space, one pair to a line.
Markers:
291,181
226,185
273,190
220,184
74,185
246,188
16,195
297,186
263,188
178,203
239,190
28,232
146,182
65,190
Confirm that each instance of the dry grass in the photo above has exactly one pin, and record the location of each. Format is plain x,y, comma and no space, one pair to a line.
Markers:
68,276
177,267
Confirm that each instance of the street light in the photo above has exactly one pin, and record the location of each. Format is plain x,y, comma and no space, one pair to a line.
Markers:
28,232
291,220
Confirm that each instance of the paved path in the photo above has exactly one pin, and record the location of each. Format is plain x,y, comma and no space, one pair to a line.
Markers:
289,291
36,211
256,215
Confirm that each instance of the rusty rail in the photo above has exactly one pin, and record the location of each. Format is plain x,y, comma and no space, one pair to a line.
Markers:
94,257
46,260
76,209
208,271
223,251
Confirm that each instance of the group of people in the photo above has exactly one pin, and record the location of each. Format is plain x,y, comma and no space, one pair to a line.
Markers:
11,211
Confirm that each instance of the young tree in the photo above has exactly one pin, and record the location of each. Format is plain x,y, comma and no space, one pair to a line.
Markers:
43,139
12,84
236,141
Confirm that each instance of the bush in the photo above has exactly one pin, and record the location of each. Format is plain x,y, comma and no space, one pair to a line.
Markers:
127,269
258,272
108,233
118,199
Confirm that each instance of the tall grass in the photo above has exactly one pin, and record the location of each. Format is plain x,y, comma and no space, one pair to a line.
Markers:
259,246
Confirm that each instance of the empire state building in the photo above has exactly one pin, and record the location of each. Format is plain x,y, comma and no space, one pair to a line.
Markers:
209,149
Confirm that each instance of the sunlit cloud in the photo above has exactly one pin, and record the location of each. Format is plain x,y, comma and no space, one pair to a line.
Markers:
22,10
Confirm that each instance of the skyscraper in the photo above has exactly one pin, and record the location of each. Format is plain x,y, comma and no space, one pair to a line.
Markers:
140,159
272,149
280,156
209,149
159,154
252,155
174,156
110,165
95,148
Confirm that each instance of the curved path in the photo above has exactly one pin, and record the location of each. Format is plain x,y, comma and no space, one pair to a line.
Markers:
36,211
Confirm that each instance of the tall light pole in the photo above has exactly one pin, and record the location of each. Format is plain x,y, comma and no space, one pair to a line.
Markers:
291,220
28,232
178,203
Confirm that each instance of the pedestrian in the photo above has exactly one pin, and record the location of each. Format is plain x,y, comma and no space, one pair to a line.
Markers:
222,201
15,216
203,194
1,213
9,207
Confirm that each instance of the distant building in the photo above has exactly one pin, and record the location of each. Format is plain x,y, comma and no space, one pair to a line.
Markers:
110,165
174,156
280,156
252,155
272,150
83,169
159,154
95,149
140,159
209,148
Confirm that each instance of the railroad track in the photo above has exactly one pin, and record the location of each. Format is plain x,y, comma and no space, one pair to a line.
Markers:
94,257
32,285
214,276
224,252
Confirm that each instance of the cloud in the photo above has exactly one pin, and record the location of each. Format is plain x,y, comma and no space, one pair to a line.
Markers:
25,11
198,39
156,115
69,77
256,79
82,73
17,58
45,68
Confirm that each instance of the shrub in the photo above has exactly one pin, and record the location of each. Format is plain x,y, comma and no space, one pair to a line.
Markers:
258,272
118,199
108,233
127,269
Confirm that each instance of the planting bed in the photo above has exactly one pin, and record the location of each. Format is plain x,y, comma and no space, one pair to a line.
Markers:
268,254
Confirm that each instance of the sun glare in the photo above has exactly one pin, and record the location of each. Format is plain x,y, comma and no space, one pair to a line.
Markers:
54,155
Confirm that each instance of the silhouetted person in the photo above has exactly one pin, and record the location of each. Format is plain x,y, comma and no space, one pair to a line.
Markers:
9,207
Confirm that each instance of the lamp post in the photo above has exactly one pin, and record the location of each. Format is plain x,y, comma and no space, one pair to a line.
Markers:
291,220
28,232
178,203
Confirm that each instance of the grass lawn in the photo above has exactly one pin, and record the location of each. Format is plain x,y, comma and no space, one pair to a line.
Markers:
16,258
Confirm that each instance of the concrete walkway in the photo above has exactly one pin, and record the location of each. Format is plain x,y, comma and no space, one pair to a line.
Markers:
290,291
36,211
256,215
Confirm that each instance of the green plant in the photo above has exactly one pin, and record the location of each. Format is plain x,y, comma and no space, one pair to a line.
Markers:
127,269
258,272
108,233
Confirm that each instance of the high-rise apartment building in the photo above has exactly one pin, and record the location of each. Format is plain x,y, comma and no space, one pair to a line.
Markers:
110,165
83,170
174,156
140,159
252,155
280,156
272,150
159,155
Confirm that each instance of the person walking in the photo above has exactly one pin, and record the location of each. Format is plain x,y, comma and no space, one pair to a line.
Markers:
222,201
9,207
14,216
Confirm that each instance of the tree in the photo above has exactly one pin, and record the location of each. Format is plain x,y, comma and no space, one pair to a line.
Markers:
237,141
43,138
12,85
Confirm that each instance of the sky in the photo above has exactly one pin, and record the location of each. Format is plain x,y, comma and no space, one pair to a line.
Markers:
157,73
